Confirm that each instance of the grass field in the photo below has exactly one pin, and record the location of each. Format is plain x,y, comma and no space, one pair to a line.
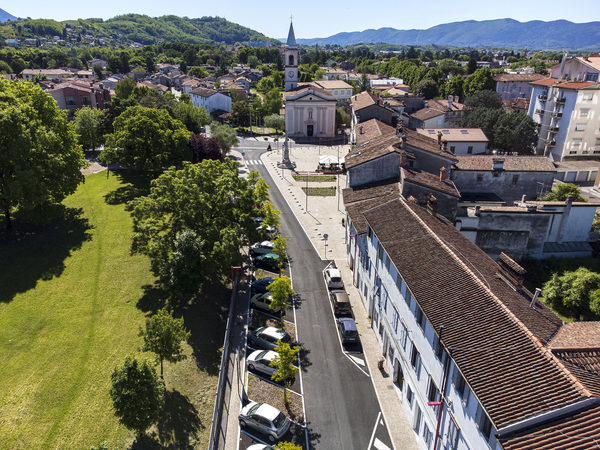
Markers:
314,178
320,191
72,300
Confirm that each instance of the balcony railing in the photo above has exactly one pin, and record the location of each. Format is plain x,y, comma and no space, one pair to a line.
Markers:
557,114
554,129
560,100
542,97
539,111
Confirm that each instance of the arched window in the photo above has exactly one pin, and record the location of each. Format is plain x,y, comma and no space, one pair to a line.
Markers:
291,60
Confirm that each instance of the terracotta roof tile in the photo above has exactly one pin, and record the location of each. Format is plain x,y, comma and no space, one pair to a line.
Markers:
362,100
518,76
371,129
361,199
511,163
584,365
494,336
455,134
545,82
577,335
430,181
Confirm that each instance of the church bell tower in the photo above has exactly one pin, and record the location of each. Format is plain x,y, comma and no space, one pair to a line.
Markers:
290,60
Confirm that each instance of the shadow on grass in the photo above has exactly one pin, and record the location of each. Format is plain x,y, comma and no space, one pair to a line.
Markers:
153,299
37,252
206,319
179,422
134,184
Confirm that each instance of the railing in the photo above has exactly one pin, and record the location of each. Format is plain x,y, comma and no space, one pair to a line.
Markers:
542,97
539,111
215,428
554,129
560,100
557,115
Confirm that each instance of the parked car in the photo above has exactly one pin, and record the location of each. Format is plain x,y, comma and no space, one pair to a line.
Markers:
267,337
340,302
348,331
261,248
333,278
260,286
262,301
260,447
260,360
266,419
270,232
270,261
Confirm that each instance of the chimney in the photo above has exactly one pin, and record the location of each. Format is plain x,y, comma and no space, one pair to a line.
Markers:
432,204
399,130
361,131
403,147
456,99
402,159
510,271
443,173
450,98
439,136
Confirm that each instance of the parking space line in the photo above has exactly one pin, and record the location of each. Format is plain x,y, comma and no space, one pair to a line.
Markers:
358,360
337,333
374,430
380,445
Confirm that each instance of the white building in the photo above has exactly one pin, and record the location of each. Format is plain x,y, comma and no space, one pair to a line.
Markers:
515,85
578,68
460,141
309,113
469,350
290,60
568,115
339,89
386,82
210,100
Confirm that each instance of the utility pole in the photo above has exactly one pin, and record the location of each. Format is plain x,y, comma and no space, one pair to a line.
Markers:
250,110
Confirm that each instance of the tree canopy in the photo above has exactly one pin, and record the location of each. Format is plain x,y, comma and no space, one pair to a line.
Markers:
480,80
88,124
147,139
564,190
40,160
208,198
226,135
137,394
575,293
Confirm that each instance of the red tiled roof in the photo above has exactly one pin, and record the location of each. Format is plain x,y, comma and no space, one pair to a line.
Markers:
511,163
518,76
494,336
427,113
430,181
578,430
371,129
373,149
576,335
584,365
577,84
360,199
362,100
545,82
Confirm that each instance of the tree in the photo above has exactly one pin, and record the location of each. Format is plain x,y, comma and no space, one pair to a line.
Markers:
137,394
197,71
226,135
124,88
484,99
426,88
472,66
276,121
195,119
454,86
281,293
203,147
364,83
163,336
515,132
88,123
40,160
480,80
288,446
564,190
99,73
576,293
284,365
240,114
147,139
280,249
342,118
208,198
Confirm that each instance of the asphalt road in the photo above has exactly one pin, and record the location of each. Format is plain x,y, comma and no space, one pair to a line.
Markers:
342,409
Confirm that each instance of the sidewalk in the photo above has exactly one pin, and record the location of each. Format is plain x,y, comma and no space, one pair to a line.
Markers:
323,217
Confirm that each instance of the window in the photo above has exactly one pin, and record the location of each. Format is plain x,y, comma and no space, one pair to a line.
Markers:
407,297
291,60
418,419
515,179
310,113
387,262
591,76
420,317
433,393
380,252
399,283
438,348
395,321
409,395
587,97
85,100
479,177
70,100
580,127
584,112
427,435
483,422
470,149
404,337
453,433
459,383
597,141
369,232
576,142
452,148
415,360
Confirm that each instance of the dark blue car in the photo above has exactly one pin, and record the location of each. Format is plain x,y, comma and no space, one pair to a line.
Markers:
260,286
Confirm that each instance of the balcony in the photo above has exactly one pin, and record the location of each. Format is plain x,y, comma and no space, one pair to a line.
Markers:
539,111
554,129
542,97
557,114
560,101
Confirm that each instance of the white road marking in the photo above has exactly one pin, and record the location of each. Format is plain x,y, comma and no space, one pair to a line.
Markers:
380,445
358,360
374,430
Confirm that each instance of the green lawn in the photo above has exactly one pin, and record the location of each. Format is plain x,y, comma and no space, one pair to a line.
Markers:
314,178
320,191
71,304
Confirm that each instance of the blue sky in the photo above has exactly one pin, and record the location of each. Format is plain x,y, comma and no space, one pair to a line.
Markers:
318,18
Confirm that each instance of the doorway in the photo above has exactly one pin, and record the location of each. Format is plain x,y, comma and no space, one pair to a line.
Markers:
398,375
309,130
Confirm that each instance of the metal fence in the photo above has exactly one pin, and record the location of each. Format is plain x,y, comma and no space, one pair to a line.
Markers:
217,434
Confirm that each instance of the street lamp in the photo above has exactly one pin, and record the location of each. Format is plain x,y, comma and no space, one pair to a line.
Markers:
233,268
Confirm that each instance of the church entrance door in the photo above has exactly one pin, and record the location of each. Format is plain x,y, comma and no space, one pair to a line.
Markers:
309,130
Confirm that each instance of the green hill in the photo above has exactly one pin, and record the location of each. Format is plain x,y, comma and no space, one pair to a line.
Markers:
135,28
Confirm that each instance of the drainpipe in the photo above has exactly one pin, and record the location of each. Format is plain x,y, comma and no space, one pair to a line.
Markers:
443,396
354,260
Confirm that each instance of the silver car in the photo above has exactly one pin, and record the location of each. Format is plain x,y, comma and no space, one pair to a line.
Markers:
333,278
265,419
261,248
260,360
267,337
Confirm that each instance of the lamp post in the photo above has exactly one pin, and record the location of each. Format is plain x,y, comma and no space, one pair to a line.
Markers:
233,269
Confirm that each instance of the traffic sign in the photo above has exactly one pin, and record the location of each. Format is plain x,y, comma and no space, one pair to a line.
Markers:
325,236
243,153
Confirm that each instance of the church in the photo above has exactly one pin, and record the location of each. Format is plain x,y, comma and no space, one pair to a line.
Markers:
309,110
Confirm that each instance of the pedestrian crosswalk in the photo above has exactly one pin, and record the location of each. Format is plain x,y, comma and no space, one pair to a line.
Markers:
254,162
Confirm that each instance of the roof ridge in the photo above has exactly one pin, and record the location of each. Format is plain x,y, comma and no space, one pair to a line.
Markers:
537,343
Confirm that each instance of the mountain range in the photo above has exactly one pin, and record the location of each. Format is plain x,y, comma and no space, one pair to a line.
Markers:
4,16
504,33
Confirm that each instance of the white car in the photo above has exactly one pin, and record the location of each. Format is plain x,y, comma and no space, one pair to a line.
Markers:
260,360
266,419
267,337
260,447
333,278
262,301
261,248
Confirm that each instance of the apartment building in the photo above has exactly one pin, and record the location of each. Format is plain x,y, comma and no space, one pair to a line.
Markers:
568,117
460,141
515,85
477,361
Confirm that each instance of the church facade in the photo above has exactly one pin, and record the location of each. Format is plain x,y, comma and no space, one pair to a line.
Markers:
309,110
